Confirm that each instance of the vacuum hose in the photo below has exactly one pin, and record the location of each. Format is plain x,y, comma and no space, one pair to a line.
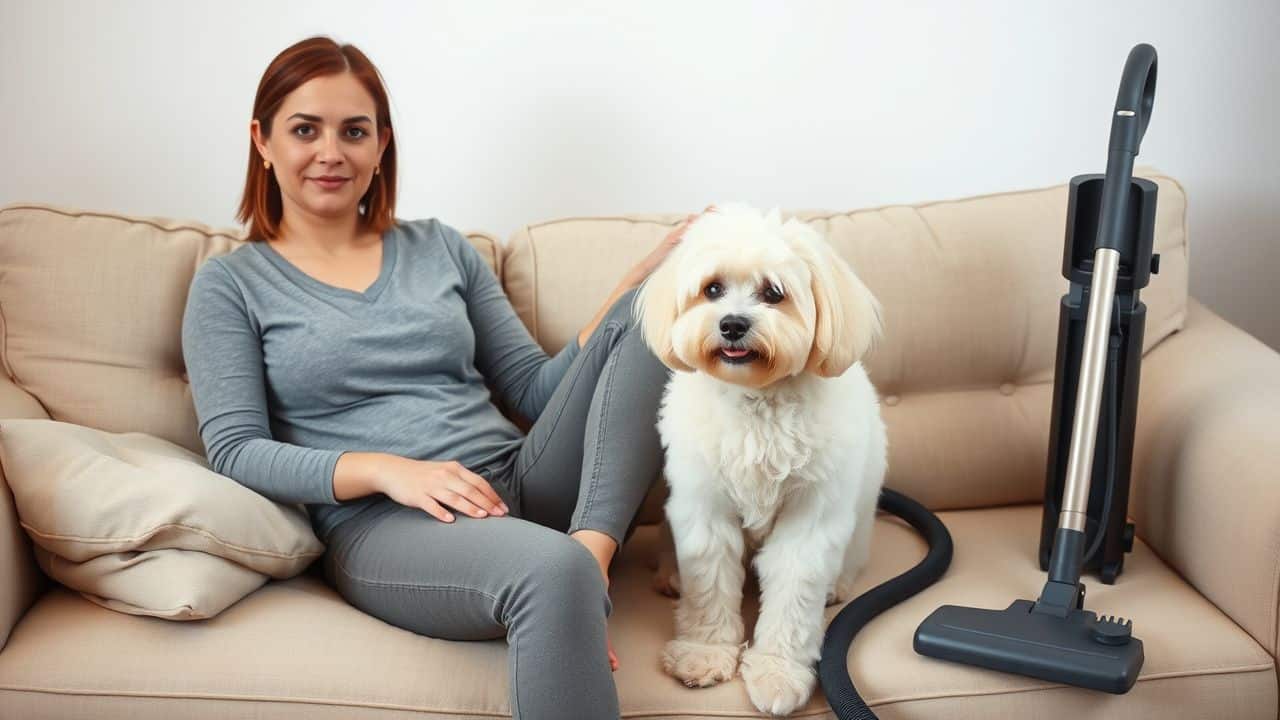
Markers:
833,666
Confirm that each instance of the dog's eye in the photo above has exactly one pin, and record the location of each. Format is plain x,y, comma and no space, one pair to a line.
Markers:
772,295
713,290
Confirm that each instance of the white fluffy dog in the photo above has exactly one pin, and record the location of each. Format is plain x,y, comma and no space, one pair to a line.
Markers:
773,443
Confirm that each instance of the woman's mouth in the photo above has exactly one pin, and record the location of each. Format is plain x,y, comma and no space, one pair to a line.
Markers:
330,182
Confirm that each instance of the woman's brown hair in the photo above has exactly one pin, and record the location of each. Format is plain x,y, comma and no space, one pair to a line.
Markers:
261,206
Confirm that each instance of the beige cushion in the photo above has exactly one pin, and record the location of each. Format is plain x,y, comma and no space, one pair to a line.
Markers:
970,288
296,649
143,526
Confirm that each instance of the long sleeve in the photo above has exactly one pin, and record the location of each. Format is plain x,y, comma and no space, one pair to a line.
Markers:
522,373
223,354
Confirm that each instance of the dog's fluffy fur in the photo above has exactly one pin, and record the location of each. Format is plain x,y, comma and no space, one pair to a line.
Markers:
780,450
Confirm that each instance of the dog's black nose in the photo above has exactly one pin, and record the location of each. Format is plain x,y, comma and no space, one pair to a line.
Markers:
733,327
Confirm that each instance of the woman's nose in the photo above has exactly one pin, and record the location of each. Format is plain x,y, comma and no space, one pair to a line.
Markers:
329,152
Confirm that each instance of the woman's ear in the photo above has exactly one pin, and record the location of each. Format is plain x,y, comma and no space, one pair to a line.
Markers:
847,317
656,307
259,142
384,139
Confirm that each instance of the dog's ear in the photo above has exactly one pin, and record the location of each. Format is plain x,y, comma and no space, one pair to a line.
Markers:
656,307
847,319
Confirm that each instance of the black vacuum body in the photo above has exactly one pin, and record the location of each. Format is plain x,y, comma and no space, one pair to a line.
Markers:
1109,489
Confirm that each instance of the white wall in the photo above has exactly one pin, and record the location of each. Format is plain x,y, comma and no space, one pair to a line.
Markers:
509,113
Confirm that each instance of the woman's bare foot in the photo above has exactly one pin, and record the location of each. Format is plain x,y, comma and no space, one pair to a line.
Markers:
602,548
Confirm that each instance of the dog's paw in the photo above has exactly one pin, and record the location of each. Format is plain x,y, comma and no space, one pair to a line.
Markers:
700,664
776,684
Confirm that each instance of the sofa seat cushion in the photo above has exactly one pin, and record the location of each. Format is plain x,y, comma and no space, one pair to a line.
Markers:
295,649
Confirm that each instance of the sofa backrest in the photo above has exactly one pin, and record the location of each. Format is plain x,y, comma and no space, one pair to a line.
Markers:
970,290
91,309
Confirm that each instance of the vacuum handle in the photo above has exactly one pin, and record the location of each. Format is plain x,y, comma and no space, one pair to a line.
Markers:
1135,99
1129,123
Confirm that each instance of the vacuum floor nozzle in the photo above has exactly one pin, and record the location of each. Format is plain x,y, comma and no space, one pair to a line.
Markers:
1080,649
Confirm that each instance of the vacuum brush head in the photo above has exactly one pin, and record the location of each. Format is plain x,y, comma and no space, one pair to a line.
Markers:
1079,649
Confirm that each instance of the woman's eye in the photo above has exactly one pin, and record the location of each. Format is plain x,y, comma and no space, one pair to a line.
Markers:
713,290
304,131
772,295
356,132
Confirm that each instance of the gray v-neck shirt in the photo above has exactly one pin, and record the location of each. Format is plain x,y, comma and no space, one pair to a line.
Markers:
288,372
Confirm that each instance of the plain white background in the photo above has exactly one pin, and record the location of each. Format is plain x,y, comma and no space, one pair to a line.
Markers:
509,113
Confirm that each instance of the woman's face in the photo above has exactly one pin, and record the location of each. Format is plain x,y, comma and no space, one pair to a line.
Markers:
324,146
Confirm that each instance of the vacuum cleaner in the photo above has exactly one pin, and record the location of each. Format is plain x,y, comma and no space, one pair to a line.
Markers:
1107,258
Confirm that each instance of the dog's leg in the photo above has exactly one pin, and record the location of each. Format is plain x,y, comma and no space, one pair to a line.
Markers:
709,630
855,559
858,551
869,485
800,559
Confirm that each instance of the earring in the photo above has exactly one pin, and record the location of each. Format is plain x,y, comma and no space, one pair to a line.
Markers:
266,164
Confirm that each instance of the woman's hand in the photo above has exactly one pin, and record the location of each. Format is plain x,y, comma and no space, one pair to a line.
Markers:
432,485
637,274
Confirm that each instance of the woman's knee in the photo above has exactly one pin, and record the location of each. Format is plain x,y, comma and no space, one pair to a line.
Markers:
563,577
569,566
626,331
622,311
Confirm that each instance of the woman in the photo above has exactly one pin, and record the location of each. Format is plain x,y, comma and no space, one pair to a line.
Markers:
343,360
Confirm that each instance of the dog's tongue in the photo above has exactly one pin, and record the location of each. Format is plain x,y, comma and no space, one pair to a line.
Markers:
735,353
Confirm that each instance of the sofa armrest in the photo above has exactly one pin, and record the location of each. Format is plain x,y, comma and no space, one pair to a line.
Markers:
21,581
1205,480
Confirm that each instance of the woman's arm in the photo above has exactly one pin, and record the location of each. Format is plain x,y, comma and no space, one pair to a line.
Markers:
622,288
506,354
521,373
356,475
223,354
637,274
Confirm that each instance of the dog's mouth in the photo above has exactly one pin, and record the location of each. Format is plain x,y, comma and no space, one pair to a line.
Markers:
737,356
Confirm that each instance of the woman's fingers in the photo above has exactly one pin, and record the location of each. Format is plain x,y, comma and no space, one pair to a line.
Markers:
675,235
488,496
689,220
436,510
466,501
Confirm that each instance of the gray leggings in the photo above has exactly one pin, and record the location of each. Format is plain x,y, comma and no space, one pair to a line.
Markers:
587,463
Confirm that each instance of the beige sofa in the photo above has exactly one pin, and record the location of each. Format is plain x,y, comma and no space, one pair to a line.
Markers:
91,308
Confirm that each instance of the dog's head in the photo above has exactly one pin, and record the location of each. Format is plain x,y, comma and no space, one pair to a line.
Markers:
750,300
